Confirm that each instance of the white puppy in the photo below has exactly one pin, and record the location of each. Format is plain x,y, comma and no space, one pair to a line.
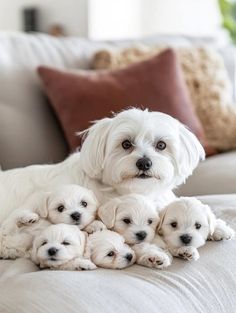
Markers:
107,249
186,224
69,204
134,152
135,218
61,247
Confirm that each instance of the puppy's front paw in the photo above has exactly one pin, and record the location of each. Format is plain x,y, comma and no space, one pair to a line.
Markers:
95,226
155,259
85,264
222,232
188,253
28,219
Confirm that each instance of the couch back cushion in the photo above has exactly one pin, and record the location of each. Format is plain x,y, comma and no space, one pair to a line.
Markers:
156,84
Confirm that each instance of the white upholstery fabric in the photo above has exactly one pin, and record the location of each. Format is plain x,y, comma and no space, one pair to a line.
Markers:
216,175
205,286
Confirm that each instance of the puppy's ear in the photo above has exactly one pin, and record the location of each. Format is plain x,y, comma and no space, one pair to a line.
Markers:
107,212
42,205
94,147
211,219
189,155
162,217
34,250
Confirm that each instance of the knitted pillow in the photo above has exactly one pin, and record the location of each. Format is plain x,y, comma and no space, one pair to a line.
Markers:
208,83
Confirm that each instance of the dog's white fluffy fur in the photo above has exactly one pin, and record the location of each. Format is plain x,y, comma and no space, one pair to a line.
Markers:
185,226
104,166
61,247
135,217
69,204
107,249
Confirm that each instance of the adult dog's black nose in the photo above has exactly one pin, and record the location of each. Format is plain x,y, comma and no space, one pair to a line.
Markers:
141,235
129,257
144,164
76,216
186,239
52,251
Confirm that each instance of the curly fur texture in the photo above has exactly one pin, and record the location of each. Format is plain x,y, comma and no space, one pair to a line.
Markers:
207,81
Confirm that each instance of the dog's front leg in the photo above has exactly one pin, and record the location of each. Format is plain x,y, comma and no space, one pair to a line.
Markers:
188,253
95,226
150,255
78,264
222,231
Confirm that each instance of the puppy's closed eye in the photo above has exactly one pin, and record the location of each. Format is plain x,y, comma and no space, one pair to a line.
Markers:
44,243
65,243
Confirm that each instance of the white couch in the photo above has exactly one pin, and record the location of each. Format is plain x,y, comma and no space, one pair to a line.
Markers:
30,133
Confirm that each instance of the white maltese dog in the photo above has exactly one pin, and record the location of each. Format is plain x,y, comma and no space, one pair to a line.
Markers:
134,152
107,249
185,226
61,247
135,218
69,204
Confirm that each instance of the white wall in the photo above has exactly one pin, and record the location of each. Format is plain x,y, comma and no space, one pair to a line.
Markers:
70,13
109,19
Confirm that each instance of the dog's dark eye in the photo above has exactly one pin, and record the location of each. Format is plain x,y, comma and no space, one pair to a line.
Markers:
44,243
61,208
174,224
126,144
65,243
84,204
198,225
111,253
150,221
127,220
161,145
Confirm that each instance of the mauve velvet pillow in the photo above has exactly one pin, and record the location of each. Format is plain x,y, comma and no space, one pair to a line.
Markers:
157,84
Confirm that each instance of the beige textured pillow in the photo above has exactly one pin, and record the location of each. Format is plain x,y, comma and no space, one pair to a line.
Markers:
208,83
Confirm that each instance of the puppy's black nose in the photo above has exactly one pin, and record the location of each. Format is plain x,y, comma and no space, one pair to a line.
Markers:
52,251
144,164
76,216
141,235
129,257
185,238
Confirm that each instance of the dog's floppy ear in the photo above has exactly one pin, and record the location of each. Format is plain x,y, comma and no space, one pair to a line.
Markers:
41,205
107,212
162,217
34,250
190,153
211,218
94,147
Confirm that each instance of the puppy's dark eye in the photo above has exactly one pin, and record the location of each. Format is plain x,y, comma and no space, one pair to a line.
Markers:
84,204
127,144
111,253
174,224
161,145
198,225
150,221
65,243
127,220
61,208
44,243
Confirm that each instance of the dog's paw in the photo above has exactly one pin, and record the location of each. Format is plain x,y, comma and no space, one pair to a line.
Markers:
188,253
222,232
95,226
156,259
85,265
28,219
